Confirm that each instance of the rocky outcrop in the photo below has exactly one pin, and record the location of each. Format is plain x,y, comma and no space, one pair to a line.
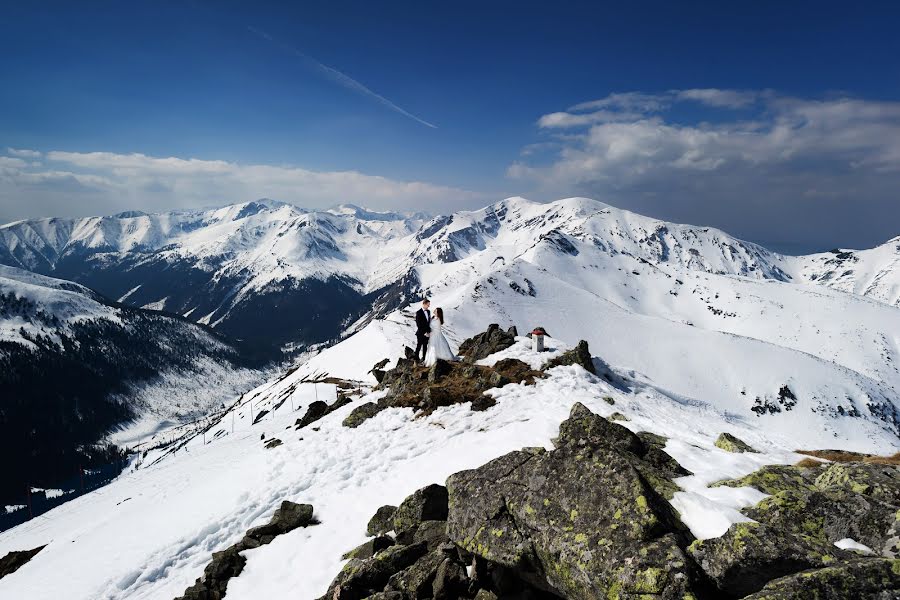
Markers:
591,519
581,521
484,344
579,355
318,409
362,413
830,502
730,443
230,562
751,554
382,521
861,579
14,560
426,504
447,383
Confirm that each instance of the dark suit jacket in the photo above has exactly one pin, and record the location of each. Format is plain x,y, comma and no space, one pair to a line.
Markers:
422,324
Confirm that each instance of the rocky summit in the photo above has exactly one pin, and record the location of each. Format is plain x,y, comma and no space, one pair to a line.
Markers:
591,519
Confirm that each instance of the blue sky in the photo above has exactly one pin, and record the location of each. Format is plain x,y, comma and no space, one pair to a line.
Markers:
96,94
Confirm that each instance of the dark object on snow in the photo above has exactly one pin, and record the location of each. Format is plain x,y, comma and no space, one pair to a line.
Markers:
214,583
273,443
12,561
484,344
229,562
730,443
382,521
360,414
513,331
579,355
426,504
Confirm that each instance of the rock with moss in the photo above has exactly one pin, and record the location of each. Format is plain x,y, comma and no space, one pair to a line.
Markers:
360,414
579,355
652,440
860,579
370,548
362,578
881,482
382,521
426,504
484,344
751,554
730,443
582,518
829,516
772,479
416,581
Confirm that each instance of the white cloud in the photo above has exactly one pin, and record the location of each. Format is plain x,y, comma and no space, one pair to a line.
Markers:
23,153
718,98
750,151
78,183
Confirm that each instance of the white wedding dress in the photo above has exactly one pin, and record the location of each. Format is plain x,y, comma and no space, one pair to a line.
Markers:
438,347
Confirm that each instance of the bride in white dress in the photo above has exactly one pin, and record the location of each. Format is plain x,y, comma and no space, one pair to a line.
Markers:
438,347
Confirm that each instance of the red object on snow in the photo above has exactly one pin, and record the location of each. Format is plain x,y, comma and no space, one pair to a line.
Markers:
539,331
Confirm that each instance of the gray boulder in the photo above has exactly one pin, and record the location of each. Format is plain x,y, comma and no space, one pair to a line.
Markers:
579,355
581,520
860,579
486,343
426,504
382,521
750,555
360,414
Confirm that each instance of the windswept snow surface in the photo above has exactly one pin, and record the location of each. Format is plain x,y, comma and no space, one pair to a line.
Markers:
150,533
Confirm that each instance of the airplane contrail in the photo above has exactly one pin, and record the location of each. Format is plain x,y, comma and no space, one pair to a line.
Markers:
339,78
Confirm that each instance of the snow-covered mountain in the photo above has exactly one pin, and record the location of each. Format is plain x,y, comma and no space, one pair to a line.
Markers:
232,268
874,273
75,368
694,333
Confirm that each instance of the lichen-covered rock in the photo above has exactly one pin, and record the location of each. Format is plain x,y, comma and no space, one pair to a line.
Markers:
416,581
362,578
617,416
426,504
830,502
370,548
582,519
360,414
828,516
486,343
881,482
751,554
584,428
860,579
730,443
382,521
579,355
772,479
433,533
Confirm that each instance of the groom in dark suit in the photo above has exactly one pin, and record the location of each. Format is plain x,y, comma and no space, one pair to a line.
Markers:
423,329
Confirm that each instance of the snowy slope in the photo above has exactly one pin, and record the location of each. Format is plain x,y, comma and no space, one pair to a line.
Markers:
700,332
874,273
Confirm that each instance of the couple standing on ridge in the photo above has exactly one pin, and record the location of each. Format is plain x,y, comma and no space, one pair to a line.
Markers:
429,338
